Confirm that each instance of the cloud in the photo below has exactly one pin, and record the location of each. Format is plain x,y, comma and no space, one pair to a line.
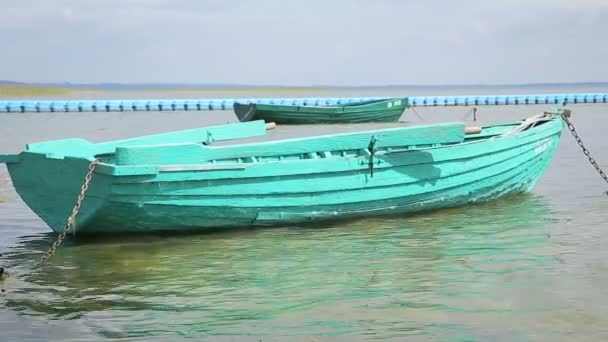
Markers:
313,42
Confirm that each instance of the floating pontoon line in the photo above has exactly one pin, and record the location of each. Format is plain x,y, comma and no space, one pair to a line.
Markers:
160,105
227,104
490,100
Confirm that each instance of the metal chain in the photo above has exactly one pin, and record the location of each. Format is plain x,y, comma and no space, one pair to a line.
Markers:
585,150
71,224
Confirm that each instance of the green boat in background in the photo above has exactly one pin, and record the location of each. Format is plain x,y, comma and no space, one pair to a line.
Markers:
180,181
385,110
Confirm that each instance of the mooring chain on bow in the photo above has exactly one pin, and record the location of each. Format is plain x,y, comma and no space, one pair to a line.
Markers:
71,224
585,150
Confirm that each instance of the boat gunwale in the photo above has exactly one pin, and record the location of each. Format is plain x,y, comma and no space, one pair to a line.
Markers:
150,169
211,166
531,159
322,136
525,147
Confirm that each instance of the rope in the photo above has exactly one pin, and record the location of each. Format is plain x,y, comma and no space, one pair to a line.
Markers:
418,115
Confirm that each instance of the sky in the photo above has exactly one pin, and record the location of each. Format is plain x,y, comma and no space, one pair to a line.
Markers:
312,42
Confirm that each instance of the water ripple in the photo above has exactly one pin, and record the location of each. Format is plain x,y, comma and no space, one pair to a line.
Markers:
421,271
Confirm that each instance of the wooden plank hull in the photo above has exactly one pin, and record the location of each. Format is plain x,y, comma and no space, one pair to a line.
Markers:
370,111
288,189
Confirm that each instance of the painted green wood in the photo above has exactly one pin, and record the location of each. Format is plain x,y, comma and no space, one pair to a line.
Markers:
385,110
85,149
315,147
257,185
8,158
199,135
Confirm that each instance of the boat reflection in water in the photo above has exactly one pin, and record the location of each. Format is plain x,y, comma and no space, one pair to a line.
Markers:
440,273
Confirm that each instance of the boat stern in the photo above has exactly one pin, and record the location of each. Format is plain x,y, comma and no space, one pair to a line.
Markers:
9,158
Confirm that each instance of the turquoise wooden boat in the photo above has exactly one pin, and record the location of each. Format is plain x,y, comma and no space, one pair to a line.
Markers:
384,110
183,181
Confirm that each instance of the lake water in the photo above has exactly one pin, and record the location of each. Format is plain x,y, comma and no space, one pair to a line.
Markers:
530,267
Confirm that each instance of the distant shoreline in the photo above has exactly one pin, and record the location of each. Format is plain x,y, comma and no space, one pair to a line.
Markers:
19,91
10,89
22,91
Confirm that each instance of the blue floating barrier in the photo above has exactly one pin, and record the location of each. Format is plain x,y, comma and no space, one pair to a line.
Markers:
138,105
461,101
71,106
227,104
28,106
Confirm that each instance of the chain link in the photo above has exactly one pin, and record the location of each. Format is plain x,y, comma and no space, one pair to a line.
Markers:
585,150
71,224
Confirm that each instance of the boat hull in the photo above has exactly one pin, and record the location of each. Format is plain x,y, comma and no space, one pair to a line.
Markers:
371,111
288,192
